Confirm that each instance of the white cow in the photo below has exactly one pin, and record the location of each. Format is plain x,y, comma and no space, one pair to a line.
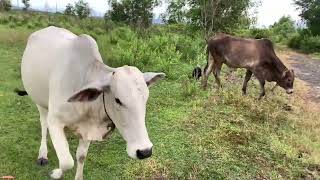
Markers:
65,77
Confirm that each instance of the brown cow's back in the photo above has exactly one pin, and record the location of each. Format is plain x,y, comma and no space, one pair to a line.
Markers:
240,52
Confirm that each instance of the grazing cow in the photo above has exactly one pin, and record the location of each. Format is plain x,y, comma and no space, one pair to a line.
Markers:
257,56
72,88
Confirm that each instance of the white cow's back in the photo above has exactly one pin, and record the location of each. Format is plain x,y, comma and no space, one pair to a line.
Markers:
55,60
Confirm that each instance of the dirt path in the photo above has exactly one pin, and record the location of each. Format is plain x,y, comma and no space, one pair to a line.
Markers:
308,70
307,97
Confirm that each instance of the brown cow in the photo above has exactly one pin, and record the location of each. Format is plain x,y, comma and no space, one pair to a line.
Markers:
257,56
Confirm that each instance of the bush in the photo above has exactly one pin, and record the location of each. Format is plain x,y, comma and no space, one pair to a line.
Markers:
295,41
4,20
283,30
305,42
310,44
259,33
255,33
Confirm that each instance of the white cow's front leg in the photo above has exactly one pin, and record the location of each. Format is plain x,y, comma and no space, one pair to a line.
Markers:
82,151
61,147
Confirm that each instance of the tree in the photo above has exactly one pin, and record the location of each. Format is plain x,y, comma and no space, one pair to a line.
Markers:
134,12
176,12
69,11
82,9
310,12
118,13
5,5
210,15
26,4
284,27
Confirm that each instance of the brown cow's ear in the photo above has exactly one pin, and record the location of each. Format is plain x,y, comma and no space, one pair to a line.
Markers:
286,73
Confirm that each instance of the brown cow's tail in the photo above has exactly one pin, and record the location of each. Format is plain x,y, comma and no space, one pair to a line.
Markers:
207,65
21,92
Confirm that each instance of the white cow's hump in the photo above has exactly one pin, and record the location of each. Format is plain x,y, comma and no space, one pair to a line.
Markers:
86,46
51,32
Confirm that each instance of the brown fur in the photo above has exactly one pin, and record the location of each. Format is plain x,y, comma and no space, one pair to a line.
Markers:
257,56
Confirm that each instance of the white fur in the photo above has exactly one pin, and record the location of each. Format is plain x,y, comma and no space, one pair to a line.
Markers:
58,65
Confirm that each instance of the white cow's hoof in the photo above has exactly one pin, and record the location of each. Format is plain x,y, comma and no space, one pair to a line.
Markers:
56,174
42,161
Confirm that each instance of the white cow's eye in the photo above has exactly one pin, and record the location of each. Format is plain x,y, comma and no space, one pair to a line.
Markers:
118,101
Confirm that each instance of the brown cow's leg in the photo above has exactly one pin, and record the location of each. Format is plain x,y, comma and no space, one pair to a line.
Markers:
246,80
207,71
263,91
216,73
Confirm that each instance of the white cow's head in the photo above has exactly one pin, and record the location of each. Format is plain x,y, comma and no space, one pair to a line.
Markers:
126,94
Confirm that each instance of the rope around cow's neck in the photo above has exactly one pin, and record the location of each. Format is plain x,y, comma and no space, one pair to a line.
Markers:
104,106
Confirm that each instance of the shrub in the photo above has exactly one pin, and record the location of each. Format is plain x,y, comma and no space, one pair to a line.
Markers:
30,25
283,30
310,44
4,20
295,41
305,42
259,33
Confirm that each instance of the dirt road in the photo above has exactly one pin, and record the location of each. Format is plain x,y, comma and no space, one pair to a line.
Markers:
308,70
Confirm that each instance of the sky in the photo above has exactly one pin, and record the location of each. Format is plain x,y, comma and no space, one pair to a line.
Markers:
269,12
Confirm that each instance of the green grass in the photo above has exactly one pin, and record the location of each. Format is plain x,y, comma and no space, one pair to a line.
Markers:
196,134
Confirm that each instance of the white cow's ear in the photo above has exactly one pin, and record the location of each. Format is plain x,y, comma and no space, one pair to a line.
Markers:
90,92
151,77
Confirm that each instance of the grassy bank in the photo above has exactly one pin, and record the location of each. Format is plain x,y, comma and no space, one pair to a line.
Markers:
196,134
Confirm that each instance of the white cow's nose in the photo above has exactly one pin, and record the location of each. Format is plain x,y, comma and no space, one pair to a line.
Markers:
143,154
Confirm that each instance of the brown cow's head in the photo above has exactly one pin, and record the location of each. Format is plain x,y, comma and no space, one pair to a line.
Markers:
287,80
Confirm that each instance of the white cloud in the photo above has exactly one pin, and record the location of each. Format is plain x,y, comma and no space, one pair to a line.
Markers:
272,10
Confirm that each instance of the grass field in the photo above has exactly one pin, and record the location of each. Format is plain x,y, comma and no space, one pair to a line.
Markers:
196,134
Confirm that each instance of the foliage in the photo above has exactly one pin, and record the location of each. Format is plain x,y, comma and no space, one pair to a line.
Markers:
283,30
311,13
176,12
305,41
70,11
82,9
26,4
134,12
210,15
5,5
259,33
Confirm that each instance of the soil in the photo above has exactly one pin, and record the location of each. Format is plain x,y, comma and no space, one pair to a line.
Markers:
308,70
